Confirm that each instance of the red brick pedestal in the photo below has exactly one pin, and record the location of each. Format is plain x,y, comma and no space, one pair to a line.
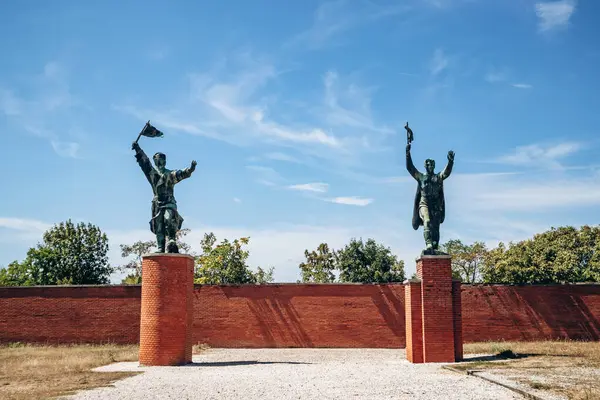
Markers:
167,309
433,313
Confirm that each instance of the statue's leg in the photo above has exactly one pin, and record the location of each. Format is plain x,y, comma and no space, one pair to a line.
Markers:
160,232
171,230
424,213
435,234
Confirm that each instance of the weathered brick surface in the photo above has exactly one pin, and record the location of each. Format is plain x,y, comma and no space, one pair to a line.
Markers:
436,301
70,314
414,321
297,315
457,319
498,312
324,315
166,308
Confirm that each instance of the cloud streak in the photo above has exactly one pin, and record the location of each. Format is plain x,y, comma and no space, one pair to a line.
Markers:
317,187
554,15
438,63
333,18
49,97
537,155
351,201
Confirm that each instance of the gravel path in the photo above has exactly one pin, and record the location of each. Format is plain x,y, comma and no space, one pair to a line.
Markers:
297,374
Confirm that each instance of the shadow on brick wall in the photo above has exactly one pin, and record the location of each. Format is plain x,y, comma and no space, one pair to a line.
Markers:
498,312
301,316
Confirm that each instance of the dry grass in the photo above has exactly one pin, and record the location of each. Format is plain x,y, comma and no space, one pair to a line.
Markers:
41,372
565,367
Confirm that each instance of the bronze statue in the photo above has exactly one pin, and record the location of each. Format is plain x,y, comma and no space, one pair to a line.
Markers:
429,208
166,221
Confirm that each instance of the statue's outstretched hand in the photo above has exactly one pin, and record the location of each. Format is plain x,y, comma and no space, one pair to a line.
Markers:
193,166
135,146
451,156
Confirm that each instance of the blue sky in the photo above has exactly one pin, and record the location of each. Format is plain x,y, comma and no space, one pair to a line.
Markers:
295,114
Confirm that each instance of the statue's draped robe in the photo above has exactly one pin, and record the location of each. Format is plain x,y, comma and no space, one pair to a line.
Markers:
435,203
439,213
162,185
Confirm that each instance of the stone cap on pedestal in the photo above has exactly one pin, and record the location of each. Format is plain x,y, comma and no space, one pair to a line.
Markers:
149,255
430,257
412,280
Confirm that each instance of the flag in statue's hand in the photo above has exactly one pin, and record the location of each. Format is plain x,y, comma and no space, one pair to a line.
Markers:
150,131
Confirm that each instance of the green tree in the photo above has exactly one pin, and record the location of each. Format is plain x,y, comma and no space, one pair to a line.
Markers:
138,249
69,254
559,255
467,259
134,266
368,262
17,274
225,263
319,265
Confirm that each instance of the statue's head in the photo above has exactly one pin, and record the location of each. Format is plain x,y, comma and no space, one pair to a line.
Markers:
429,166
160,160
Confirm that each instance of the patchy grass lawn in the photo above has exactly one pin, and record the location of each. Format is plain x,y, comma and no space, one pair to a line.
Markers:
568,368
41,372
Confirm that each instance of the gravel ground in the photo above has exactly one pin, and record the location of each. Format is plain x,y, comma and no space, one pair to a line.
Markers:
297,374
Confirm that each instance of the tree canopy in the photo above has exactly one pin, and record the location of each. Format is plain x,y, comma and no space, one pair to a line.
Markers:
138,249
559,255
225,263
319,265
69,254
358,261
467,259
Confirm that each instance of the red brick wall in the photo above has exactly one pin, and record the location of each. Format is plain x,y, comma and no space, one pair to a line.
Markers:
498,312
298,315
72,314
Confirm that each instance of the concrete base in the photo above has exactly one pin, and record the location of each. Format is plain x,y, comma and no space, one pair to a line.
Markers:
167,309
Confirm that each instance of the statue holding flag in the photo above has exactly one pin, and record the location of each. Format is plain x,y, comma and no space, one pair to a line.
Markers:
429,209
165,221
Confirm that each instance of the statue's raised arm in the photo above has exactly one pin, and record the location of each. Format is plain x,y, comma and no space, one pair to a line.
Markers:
143,161
185,173
448,170
412,170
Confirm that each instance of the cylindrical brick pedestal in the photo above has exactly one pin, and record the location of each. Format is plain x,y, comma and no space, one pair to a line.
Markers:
167,309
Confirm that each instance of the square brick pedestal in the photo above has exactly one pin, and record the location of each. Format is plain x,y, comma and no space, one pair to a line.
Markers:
433,313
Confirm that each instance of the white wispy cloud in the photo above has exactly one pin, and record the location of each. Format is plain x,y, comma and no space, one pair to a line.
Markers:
439,62
65,149
278,156
10,105
521,85
24,224
555,14
48,96
495,76
318,187
237,200
266,175
230,103
541,155
351,201
348,105
333,18
234,101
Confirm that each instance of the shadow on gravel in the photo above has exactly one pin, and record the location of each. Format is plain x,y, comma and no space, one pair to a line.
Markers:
238,363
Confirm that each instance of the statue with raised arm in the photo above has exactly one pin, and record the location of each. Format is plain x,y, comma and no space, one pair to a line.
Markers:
166,221
429,208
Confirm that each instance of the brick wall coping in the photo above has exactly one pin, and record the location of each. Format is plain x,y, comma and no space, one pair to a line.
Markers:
314,284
